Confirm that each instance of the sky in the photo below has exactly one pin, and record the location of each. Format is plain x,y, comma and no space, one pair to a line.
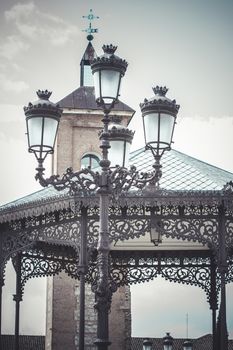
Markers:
185,45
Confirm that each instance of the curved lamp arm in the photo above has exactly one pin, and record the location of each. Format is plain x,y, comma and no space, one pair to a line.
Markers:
83,181
120,180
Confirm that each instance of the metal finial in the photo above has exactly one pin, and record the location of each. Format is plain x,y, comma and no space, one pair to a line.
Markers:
109,49
44,94
160,90
90,30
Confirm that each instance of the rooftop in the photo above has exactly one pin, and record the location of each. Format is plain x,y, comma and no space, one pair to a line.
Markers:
84,98
202,343
29,342
180,173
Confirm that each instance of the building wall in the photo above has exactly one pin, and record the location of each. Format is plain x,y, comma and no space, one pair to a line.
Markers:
78,135
49,314
90,316
63,317
120,320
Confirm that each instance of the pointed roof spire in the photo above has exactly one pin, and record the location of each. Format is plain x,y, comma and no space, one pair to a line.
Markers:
90,30
86,78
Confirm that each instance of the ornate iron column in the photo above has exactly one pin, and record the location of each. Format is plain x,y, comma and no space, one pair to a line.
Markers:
222,270
213,300
1,285
82,273
103,293
17,298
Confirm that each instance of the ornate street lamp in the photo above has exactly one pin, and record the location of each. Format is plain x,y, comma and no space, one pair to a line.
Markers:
42,119
187,345
107,71
159,117
120,139
167,342
147,344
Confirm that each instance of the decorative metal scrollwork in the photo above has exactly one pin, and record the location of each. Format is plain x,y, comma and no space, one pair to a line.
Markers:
132,275
92,232
196,230
37,267
86,182
131,270
47,261
193,275
12,244
229,231
229,276
124,229
83,182
68,233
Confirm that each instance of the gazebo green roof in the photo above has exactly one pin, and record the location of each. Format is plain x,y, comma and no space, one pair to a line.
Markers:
180,173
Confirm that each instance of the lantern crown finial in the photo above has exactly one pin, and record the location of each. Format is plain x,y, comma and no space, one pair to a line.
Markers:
160,90
44,94
109,49
43,105
160,101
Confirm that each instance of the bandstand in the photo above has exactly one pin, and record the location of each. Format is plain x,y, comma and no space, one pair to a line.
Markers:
111,227
45,235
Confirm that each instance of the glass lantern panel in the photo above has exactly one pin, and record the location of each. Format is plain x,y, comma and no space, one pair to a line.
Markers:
119,153
146,347
110,85
34,126
187,347
127,151
155,234
50,130
167,347
166,129
151,127
96,76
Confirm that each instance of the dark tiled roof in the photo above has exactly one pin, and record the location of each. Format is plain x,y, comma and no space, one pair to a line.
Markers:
202,343
26,342
84,98
29,342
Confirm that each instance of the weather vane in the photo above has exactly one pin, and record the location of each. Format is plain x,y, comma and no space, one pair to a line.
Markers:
90,30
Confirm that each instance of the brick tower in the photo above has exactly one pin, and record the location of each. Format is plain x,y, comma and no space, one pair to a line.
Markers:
78,146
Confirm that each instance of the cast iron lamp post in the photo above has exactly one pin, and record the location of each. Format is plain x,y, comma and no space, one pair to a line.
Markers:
168,342
147,344
159,114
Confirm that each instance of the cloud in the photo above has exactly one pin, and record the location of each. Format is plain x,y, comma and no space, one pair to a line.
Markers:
20,11
33,24
10,85
29,29
12,46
